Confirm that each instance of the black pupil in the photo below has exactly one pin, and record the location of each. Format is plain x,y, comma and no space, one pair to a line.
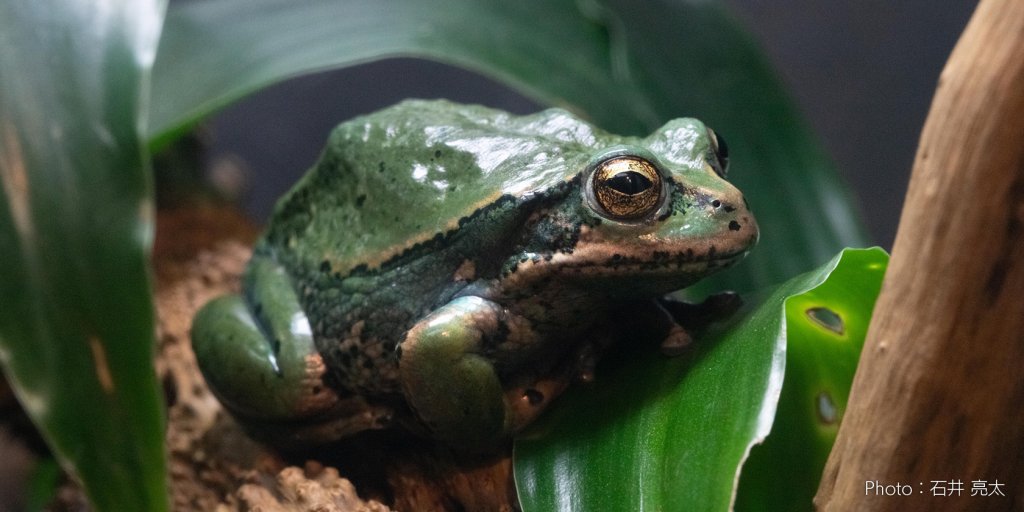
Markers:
629,182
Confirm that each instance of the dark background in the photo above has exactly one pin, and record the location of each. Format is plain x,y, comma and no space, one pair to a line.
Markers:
862,71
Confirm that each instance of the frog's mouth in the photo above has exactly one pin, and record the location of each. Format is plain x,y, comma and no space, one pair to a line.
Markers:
621,273
668,248
643,275
657,254
634,265
614,261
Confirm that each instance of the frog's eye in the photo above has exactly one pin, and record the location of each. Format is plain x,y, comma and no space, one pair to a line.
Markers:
626,187
721,150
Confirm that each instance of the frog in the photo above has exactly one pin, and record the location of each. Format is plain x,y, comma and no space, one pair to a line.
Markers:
449,270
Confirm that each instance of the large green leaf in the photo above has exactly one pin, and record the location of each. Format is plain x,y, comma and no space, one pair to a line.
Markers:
655,433
76,325
825,330
629,66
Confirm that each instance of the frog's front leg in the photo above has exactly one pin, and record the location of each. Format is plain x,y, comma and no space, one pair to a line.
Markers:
680,317
450,381
258,356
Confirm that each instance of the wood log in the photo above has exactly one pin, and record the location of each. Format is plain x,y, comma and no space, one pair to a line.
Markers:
938,399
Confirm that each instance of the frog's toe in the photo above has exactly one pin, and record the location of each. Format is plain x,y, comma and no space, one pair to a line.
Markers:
528,402
676,341
256,377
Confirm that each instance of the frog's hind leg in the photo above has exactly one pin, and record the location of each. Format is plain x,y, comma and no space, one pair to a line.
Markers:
244,370
259,359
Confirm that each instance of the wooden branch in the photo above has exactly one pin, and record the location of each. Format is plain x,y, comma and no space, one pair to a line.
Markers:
939,393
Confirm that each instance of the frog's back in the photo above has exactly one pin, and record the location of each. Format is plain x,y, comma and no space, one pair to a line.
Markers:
402,176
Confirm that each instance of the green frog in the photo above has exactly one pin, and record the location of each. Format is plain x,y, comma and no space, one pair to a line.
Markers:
450,269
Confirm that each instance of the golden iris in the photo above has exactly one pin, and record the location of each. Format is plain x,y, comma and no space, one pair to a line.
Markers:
627,187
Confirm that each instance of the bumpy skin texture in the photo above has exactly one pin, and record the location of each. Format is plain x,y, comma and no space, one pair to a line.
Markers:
451,268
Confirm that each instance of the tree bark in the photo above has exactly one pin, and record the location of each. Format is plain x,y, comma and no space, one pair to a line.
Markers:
939,392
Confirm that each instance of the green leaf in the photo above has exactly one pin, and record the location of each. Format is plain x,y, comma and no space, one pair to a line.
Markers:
628,66
76,326
656,433
43,484
826,327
